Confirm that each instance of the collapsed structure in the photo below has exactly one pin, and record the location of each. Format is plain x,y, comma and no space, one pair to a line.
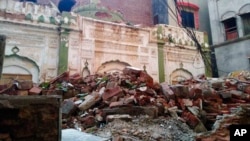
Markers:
98,86
201,107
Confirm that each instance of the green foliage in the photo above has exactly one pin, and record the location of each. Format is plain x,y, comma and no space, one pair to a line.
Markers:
102,80
44,85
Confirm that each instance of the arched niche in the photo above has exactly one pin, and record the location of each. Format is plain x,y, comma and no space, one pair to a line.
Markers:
228,15
244,9
20,65
180,74
112,66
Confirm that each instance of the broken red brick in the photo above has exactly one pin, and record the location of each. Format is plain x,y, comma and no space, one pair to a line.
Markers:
145,78
108,93
61,76
247,89
191,120
180,91
143,100
88,121
24,84
35,90
131,71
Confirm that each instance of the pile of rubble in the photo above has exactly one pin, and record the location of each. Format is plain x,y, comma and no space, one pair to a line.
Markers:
93,103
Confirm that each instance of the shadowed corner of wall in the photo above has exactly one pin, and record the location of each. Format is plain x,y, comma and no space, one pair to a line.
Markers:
2,52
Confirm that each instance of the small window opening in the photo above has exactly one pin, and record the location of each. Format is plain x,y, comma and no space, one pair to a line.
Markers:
156,19
230,29
187,19
246,23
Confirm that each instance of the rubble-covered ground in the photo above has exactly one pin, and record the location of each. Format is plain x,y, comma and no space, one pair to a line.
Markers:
147,129
131,106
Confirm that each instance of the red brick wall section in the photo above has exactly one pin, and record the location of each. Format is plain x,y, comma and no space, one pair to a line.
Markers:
135,11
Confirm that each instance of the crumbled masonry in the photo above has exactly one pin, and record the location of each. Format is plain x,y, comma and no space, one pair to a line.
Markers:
131,106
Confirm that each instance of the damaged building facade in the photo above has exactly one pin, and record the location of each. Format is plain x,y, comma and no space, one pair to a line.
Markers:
42,43
230,26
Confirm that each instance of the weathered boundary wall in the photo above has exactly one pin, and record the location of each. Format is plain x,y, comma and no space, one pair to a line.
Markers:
30,118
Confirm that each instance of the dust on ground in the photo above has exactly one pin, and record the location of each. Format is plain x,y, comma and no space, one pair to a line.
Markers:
144,128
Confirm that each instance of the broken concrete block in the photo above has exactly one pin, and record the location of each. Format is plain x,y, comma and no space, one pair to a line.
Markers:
187,102
116,104
151,111
167,91
68,107
225,94
125,117
129,100
89,101
78,102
